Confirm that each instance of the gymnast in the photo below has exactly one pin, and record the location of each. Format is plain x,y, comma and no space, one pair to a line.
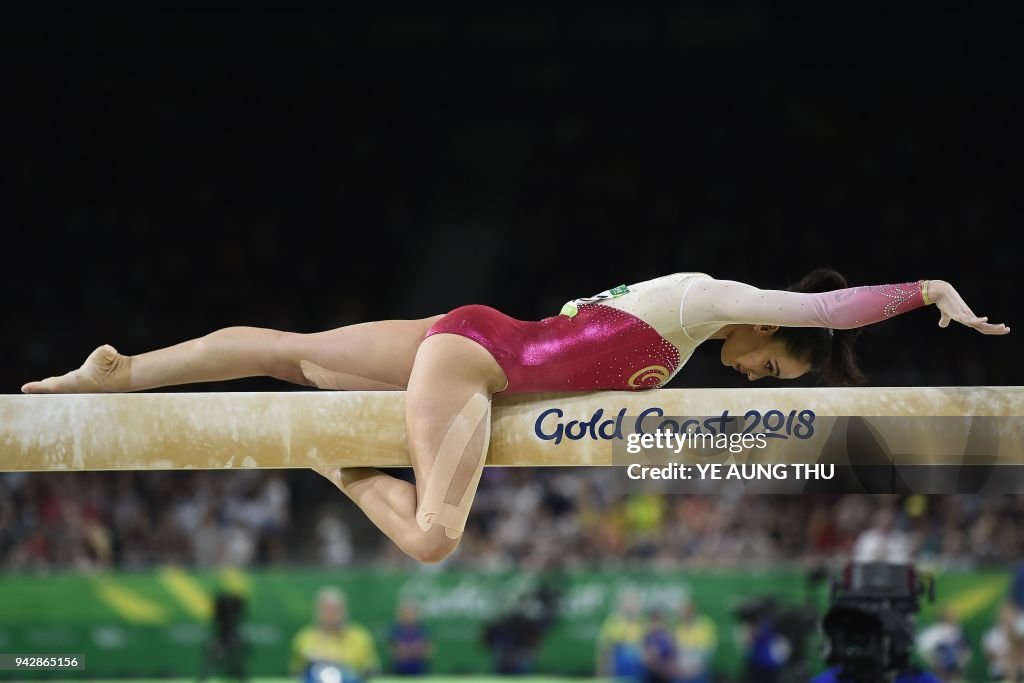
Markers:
633,337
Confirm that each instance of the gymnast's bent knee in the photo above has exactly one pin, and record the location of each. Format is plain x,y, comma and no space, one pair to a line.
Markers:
429,547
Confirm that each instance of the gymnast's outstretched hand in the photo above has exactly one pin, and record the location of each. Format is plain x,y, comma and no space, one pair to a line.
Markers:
952,307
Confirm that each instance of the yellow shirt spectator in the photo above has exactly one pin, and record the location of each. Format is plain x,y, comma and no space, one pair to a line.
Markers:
696,639
334,639
620,642
618,629
352,646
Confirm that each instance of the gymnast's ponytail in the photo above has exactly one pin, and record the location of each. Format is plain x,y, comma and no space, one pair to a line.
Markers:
830,352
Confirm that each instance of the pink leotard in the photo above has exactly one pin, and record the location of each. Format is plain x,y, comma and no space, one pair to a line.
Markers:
639,336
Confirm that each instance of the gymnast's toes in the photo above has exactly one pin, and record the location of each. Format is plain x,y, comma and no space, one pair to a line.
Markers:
105,370
71,383
332,474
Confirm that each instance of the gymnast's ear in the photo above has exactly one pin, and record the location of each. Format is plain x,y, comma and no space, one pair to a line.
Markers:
766,330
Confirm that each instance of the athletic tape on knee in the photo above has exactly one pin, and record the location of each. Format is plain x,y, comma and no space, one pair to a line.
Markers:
322,378
455,475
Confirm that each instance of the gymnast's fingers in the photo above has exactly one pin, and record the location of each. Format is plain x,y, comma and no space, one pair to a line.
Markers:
979,323
991,328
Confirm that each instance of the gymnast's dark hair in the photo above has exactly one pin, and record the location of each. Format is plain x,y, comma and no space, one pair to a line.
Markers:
830,352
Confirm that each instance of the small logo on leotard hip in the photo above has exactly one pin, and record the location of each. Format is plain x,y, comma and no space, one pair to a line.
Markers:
652,375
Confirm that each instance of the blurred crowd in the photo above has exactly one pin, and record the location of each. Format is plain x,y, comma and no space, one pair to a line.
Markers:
129,520
553,518
572,518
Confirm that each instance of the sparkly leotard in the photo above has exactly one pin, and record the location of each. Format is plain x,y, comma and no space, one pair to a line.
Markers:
639,336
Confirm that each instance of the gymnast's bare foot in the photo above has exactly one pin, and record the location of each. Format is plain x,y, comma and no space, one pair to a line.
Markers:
105,370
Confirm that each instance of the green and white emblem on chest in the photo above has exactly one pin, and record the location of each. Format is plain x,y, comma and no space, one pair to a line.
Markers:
571,308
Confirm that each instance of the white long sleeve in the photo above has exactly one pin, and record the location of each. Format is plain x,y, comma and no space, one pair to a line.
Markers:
728,301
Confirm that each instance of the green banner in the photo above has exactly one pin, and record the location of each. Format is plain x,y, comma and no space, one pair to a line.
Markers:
155,623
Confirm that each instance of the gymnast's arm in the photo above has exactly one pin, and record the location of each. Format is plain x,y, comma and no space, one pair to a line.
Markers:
729,301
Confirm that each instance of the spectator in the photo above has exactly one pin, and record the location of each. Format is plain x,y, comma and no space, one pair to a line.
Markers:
619,645
998,645
1013,620
411,648
333,640
765,650
696,639
659,650
335,539
207,543
883,542
276,497
239,545
944,648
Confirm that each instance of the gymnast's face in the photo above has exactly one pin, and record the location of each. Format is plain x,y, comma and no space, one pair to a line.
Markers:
754,351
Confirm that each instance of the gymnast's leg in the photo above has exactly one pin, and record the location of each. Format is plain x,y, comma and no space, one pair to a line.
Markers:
448,428
367,356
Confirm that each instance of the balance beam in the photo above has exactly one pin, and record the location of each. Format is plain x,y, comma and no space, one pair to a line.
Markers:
170,431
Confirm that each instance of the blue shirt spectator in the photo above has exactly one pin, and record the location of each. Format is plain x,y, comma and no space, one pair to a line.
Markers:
659,650
410,645
1017,587
769,651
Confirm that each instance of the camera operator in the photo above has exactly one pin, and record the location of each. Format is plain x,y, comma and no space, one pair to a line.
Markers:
514,638
227,651
870,625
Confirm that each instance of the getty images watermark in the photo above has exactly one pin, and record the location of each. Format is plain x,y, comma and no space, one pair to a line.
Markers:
662,442
666,439
795,451
750,451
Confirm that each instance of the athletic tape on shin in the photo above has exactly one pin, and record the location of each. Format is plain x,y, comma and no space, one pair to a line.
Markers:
455,475
322,378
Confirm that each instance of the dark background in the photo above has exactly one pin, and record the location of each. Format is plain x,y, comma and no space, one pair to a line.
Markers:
166,174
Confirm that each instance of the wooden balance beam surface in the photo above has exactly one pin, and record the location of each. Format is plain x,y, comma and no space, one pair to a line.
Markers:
170,431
